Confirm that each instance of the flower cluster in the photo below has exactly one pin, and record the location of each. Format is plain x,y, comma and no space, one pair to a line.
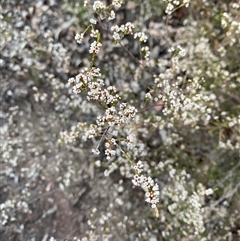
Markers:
124,29
108,96
94,33
151,189
111,15
173,4
109,153
142,37
113,117
95,47
117,3
146,52
98,6
9,207
79,37
185,206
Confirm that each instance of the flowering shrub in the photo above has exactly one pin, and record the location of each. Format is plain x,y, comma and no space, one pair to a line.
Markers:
152,106
178,100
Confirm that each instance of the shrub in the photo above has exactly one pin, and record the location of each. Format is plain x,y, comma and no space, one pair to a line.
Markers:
153,115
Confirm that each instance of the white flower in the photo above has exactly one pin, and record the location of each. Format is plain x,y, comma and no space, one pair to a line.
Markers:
142,37
127,28
109,153
112,15
115,28
148,96
86,4
95,47
93,21
209,192
139,167
113,141
117,3
94,33
77,88
98,163
98,5
116,36
95,151
79,38
72,81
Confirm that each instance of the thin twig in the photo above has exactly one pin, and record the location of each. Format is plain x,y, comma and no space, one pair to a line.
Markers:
103,135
